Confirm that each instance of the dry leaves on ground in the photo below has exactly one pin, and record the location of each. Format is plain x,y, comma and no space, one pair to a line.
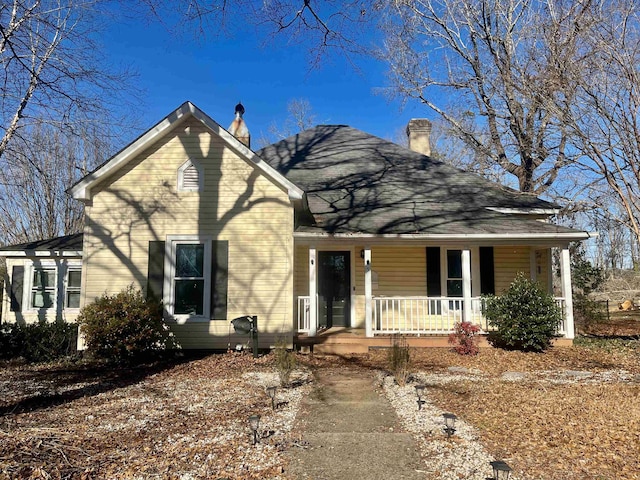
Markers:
188,421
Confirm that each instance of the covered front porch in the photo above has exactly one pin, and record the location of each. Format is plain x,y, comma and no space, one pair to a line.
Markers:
418,290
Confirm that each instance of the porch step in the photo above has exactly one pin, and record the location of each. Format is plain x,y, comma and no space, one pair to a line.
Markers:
339,348
344,341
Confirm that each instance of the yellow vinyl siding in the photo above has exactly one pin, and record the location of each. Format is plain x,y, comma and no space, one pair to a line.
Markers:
401,270
301,276
508,262
141,203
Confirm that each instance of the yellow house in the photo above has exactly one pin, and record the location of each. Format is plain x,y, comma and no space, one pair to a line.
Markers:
330,229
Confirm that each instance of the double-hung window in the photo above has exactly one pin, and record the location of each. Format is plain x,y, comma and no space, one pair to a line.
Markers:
53,285
74,279
189,289
43,288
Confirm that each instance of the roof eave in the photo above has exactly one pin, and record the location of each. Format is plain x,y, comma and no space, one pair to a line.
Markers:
294,192
526,211
566,236
82,190
41,253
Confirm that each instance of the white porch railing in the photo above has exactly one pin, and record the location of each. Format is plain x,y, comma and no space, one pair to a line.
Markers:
419,315
304,318
422,315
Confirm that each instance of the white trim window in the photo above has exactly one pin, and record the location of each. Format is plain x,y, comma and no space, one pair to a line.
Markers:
190,177
73,283
42,287
50,285
188,280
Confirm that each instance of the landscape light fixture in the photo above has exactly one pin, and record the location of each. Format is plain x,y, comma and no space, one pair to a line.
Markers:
271,391
420,393
254,423
449,424
501,471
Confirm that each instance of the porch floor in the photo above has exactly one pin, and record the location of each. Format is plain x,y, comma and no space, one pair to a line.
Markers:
343,340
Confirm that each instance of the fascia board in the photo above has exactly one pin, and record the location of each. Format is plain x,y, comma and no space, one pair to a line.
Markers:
525,211
41,253
82,190
294,192
447,237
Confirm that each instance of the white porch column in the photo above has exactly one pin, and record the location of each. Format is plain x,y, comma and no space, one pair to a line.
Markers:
313,293
565,276
368,293
466,284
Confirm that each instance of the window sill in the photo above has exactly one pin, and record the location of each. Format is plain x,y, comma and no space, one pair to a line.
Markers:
184,319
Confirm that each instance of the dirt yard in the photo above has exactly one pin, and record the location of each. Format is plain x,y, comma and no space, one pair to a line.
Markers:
619,324
568,413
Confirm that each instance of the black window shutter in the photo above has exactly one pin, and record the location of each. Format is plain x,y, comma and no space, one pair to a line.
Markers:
219,279
17,284
487,274
155,274
434,285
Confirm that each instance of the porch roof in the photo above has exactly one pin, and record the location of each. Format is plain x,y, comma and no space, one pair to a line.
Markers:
65,245
357,183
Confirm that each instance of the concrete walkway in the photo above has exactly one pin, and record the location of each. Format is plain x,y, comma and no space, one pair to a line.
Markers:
350,431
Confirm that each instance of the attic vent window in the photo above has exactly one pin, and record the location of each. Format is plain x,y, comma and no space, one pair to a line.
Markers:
190,177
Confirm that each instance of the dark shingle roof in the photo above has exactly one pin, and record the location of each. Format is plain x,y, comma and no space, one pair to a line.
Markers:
358,183
67,242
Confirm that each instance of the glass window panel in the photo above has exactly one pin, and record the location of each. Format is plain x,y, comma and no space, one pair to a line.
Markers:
73,299
189,260
75,278
454,288
41,299
454,263
44,278
189,297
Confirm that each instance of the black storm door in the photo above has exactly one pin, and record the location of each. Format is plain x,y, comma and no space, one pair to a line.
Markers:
334,289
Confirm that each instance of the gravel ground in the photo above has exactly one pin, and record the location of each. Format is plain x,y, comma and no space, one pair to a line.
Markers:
190,421
462,456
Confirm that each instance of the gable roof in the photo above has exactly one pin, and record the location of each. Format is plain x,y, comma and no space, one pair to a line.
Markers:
67,245
357,183
81,190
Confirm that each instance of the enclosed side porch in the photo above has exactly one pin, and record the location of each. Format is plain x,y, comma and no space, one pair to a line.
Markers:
418,290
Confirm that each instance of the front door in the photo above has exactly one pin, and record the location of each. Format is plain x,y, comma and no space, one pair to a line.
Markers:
334,289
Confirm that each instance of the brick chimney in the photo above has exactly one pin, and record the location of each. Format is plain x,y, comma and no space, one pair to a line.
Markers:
238,127
419,133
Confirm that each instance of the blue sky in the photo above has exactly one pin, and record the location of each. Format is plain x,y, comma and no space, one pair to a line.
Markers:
216,73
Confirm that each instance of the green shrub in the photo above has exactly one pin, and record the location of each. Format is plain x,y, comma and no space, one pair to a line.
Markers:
399,359
587,313
526,316
38,342
124,327
585,277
